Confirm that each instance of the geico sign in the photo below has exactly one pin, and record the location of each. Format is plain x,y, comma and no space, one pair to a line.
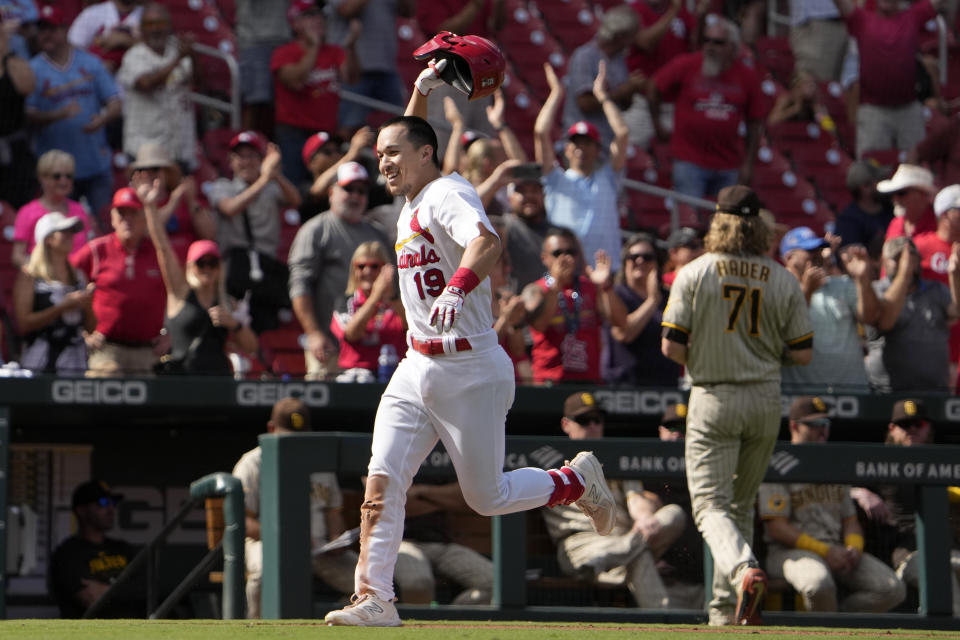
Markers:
99,391
259,394
638,402
951,409
837,406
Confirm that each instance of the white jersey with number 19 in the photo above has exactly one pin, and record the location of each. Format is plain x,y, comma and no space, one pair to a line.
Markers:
432,232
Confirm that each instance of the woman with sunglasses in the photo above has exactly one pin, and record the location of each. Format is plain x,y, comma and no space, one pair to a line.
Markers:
52,301
200,315
55,170
634,355
369,316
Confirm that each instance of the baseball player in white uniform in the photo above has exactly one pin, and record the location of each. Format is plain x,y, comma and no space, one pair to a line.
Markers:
456,383
733,318
815,539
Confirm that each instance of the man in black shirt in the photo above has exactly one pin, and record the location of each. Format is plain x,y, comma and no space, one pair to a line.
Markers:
85,564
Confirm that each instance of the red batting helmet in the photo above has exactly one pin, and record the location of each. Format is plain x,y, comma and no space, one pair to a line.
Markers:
474,64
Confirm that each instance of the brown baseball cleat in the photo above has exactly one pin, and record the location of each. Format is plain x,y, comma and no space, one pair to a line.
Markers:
750,597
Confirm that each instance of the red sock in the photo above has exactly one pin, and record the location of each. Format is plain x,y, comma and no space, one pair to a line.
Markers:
567,487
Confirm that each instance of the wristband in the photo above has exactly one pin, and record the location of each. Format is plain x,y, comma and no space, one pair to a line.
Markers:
809,543
465,280
854,540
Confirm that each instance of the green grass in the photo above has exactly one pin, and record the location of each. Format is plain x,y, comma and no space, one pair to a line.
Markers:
420,630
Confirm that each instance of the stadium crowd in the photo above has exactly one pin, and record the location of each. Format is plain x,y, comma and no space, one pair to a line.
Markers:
146,240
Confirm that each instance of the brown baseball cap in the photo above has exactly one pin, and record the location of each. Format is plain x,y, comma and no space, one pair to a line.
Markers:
580,404
806,408
291,414
739,200
908,410
675,417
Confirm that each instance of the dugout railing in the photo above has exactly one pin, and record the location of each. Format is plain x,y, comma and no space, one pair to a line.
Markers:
289,459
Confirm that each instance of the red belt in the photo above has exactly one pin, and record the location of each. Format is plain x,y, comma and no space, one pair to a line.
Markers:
434,346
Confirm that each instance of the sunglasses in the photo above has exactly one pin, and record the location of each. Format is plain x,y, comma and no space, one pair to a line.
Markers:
914,424
208,263
595,418
674,428
717,41
58,176
359,191
106,501
820,423
556,253
642,257
369,265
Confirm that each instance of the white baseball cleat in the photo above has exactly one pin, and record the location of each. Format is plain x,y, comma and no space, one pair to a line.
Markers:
596,501
366,610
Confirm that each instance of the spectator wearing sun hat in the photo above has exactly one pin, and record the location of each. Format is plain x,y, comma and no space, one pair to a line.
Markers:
129,298
52,302
912,190
583,197
306,72
320,259
837,304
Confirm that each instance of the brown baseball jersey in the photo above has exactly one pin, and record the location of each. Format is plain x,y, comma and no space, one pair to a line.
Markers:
738,313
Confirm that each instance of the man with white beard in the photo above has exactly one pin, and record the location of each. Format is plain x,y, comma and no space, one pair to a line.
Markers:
715,93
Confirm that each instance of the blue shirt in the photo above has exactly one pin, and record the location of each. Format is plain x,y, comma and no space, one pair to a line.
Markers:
587,205
84,79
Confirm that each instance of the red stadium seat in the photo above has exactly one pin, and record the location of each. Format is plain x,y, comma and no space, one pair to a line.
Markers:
289,364
572,22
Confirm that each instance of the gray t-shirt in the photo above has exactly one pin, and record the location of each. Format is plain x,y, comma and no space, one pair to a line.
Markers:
377,45
319,260
262,21
915,353
263,212
838,349
524,246
581,72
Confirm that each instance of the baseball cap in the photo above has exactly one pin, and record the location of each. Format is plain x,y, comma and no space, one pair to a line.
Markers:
93,491
583,128
299,7
53,222
126,198
681,237
862,172
907,411
581,404
469,137
738,200
201,248
151,155
808,408
948,198
314,143
290,414
251,138
907,176
49,14
351,172
801,238
675,417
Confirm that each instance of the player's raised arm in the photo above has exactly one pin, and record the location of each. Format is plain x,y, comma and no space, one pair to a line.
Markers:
427,81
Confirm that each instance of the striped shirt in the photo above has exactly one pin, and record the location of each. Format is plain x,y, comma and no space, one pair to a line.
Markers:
738,313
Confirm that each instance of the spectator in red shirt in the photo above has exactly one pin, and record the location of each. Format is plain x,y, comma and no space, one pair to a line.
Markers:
567,308
369,316
911,188
889,115
129,297
667,30
714,93
306,72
